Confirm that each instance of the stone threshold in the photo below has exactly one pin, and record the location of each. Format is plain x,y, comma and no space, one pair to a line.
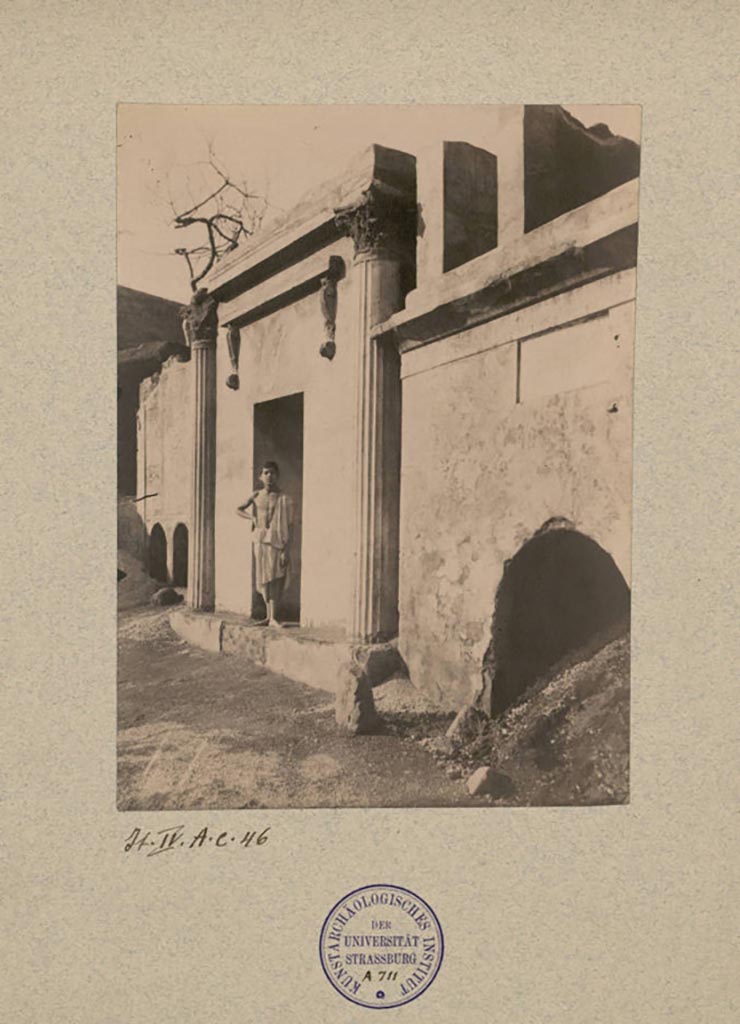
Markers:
317,657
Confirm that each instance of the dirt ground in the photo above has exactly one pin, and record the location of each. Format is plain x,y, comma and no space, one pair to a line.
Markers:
198,730
566,743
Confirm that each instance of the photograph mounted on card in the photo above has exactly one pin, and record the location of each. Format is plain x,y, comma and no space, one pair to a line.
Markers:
375,455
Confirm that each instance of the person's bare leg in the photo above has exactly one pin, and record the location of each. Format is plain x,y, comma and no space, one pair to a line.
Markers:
263,622
276,590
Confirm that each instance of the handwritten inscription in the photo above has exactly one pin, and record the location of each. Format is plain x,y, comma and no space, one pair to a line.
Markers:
153,842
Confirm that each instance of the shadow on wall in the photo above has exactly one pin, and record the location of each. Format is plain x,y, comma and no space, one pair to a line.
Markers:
560,596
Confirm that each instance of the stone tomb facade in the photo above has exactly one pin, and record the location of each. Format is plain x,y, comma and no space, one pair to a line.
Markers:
437,350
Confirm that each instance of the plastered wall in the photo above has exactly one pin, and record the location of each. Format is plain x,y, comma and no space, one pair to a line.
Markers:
165,449
504,429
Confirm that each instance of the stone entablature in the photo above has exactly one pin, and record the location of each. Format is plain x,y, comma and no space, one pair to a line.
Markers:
566,308
312,224
281,288
482,288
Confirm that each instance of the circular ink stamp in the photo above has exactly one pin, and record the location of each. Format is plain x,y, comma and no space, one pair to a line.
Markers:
381,946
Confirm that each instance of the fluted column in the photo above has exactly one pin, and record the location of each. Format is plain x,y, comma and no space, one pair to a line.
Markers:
201,570
383,228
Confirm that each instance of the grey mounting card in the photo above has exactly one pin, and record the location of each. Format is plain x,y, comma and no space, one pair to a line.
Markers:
422,290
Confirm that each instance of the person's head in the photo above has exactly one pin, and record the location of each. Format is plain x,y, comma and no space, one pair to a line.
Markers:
269,475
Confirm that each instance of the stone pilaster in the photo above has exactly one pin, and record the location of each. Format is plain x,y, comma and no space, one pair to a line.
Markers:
382,226
201,576
201,571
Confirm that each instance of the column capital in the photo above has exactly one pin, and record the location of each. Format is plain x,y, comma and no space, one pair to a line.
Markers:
200,320
201,343
381,223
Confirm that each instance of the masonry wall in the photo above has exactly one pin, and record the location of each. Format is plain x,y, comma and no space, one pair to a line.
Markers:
165,449
279,356
505,427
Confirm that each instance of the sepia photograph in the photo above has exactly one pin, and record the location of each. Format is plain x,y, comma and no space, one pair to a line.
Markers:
375,375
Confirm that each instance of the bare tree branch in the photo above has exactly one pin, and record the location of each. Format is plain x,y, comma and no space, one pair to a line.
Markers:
203,202
228,213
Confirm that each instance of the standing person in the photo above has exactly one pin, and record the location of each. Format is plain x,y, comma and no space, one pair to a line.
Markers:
272,525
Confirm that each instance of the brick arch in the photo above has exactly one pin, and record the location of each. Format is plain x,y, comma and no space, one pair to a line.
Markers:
560,598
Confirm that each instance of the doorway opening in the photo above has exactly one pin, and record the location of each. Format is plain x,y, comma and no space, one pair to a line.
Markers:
180,556
158,554
278,437
560,596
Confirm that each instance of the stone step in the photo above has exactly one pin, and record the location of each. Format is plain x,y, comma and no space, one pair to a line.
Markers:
312,657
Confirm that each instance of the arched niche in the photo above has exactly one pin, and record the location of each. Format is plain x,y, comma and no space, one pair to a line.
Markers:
158,554
180,556
561,598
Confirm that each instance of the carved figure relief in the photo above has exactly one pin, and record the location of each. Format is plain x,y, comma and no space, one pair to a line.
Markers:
233,341
328,299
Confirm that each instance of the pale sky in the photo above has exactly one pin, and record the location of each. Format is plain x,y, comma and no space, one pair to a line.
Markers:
280,151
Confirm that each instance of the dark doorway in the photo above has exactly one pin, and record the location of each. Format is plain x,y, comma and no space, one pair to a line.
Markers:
278,437
180,556
158,554
560,595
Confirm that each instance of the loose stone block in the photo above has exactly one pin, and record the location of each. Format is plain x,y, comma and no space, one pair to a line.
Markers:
380,662
481,781
354,707
487,782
